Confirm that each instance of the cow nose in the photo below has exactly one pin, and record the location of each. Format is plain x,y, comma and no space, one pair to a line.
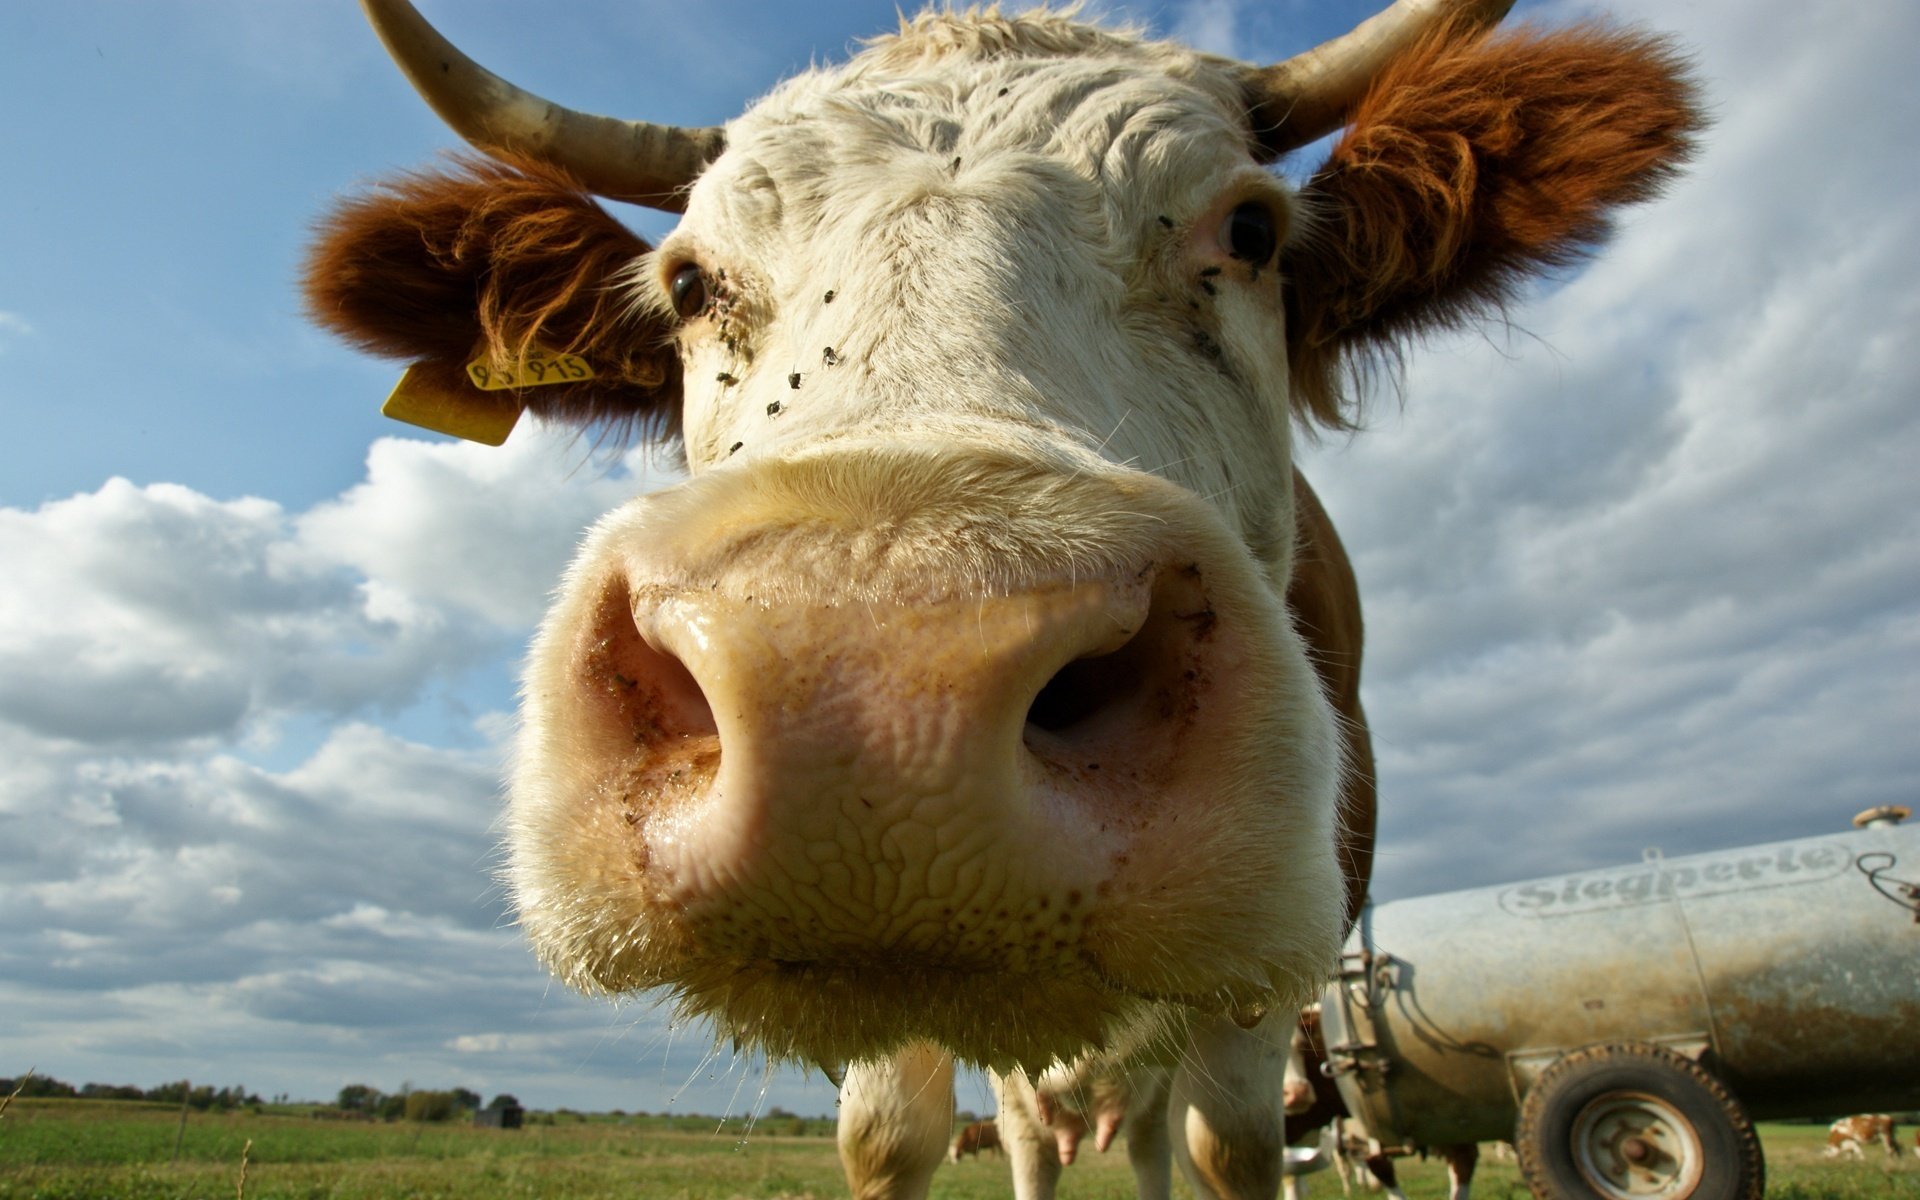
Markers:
907,723
846,676
1071,659
819,729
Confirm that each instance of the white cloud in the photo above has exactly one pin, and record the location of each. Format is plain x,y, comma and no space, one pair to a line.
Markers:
156,615
455,526
144,615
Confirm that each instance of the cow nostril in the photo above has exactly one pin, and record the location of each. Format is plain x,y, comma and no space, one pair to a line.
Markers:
1086,687
648,692
1154,674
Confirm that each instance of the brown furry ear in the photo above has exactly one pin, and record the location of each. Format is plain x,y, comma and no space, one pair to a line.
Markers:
489,261
1473,162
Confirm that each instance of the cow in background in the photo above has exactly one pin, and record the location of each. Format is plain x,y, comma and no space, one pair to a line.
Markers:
960,702
974,1137
1850,1135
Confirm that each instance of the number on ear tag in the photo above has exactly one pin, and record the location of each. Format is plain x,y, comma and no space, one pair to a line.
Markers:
541,368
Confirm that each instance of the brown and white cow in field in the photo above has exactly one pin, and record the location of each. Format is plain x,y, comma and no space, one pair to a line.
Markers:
1851,1135
974,1137
990,687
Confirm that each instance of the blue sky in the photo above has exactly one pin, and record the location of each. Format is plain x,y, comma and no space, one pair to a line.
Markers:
1643,568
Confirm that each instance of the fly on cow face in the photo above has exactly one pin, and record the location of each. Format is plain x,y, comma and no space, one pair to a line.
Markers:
809,739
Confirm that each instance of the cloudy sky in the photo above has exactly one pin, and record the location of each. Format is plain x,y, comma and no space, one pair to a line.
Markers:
1641,569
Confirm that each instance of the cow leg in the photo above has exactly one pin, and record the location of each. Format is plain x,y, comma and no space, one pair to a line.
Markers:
1149,1145
1227,1112
1461,1160
1380,1166
1342,1166
1030,1146
895,1116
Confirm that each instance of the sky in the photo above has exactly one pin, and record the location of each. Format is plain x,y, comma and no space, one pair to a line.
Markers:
1640,567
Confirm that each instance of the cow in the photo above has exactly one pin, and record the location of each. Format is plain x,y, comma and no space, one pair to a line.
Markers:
1850,1135
988,691
974,1137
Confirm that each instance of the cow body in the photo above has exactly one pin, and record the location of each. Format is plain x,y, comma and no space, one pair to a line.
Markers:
974,1137
990,687
1852,1135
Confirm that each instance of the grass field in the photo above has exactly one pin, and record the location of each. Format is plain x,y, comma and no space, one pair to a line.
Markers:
75,1149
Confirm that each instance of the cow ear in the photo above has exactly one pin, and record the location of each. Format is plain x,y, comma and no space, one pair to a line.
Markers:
1473,162
492,262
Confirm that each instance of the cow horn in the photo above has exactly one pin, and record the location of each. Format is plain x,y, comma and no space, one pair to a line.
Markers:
1309,95
621,160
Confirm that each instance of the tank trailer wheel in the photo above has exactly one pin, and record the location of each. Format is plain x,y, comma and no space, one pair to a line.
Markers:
1628,1121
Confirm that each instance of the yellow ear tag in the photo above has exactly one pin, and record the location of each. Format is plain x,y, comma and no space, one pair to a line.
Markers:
473,415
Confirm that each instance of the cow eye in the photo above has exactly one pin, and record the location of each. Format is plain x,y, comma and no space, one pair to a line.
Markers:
1248,234
688,288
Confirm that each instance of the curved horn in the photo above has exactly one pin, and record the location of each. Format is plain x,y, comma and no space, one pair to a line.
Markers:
621,160
1308,96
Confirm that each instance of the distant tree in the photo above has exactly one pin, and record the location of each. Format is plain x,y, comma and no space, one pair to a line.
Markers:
358,1097
107,1091
169,1093
462,1098
965,1116
429,1106
392,1108
503,1100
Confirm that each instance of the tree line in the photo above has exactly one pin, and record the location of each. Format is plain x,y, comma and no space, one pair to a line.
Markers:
414,1104
358,1099
205,1097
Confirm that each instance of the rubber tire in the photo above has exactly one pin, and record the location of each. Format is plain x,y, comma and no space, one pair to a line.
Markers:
1732,1166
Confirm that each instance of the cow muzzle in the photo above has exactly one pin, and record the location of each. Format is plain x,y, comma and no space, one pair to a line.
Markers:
848,750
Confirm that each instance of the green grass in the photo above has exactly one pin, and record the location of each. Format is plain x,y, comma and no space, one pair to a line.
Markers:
87,1150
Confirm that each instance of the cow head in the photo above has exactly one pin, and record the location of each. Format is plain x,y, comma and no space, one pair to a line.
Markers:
955,694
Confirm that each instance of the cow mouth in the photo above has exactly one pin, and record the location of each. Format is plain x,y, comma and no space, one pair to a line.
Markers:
834,1011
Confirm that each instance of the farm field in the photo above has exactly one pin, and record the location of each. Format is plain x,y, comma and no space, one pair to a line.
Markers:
82,1150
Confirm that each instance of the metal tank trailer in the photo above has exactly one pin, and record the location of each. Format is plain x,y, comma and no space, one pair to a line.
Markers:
1624,1027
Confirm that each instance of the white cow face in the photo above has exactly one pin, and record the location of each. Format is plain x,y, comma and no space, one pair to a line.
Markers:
1076,255
959,674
